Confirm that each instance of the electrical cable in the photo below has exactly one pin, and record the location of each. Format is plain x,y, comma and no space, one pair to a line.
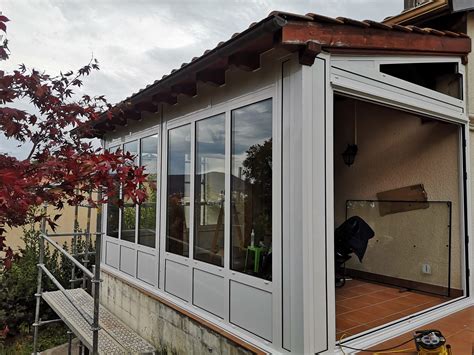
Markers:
340,339
377,350
396,351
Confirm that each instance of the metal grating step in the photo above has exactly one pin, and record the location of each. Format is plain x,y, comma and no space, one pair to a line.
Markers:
114,337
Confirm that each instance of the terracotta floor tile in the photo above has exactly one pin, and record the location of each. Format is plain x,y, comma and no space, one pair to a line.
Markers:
344,323
387,295
353,303
392,317
374,299
408,301
394,306
363,305
342,309
363,316
351,293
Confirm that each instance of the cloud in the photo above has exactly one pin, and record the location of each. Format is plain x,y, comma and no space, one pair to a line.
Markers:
136,42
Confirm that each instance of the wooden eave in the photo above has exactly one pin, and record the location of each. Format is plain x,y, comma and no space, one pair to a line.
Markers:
352,39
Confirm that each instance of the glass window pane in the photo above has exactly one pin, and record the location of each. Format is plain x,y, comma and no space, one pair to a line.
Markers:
149,154
132,148
251,183
129,208
128,223
178,186
147,210
147,217
210,190
113,210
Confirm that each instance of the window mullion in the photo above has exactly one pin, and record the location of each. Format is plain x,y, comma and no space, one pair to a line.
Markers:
120,210
227,212
192,180
137,215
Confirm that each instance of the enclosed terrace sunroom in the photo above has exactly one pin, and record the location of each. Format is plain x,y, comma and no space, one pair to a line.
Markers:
260,148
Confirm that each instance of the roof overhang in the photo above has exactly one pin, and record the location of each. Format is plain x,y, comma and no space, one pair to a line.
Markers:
306,34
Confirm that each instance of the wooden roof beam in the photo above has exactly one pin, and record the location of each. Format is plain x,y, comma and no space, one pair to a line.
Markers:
188,89
146,106
308,53
248,61
214,77
133,115
165,97
119,119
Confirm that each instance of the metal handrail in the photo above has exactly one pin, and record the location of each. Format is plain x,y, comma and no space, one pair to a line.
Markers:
86,271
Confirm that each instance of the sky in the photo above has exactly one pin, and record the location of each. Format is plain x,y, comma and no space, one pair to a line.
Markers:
137,41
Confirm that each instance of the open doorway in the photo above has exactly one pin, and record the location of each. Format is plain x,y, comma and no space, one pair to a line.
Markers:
398,214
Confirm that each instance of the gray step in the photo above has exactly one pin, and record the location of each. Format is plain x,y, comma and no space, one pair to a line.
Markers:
114,336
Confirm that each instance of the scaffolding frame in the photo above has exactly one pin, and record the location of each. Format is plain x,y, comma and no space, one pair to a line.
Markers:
93,276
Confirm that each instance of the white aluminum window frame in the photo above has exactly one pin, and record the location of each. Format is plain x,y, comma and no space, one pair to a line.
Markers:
120,142
227,273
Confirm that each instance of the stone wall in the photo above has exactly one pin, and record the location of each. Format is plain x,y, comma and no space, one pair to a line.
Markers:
170,331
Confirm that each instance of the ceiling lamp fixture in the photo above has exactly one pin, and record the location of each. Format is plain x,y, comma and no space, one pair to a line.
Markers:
351,151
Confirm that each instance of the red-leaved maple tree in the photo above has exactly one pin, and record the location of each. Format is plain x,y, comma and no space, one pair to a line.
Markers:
60,168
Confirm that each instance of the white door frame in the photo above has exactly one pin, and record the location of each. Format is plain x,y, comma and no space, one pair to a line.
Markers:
371,89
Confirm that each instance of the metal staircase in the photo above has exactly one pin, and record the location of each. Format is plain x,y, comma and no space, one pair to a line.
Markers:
98,330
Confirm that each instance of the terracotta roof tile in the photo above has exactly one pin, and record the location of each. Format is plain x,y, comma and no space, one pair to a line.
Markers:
324,19
380,25
418,29
401,28
352,22
434,32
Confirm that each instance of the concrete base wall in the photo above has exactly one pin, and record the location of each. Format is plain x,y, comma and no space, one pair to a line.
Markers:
169,330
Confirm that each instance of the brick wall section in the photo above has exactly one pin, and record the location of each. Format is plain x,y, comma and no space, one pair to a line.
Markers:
169,330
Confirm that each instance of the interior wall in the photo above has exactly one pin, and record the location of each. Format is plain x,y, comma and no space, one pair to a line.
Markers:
396,149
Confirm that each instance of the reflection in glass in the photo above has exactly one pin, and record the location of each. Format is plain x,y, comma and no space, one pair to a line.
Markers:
147,210
178,186
113,210
113,216
129,208
209,190
251,184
